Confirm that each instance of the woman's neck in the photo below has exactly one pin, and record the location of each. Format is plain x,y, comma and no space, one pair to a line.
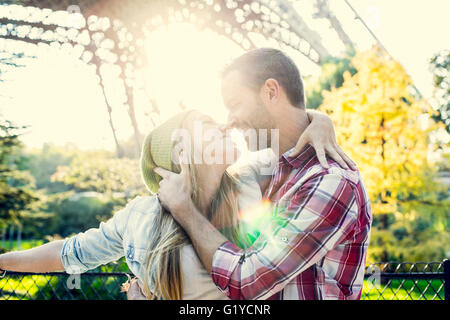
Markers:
207,188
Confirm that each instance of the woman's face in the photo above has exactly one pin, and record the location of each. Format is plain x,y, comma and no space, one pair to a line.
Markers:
210,148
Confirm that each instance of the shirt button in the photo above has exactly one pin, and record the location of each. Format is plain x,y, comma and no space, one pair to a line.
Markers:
284,239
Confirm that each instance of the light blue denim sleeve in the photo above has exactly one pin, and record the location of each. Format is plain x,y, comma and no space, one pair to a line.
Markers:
97,246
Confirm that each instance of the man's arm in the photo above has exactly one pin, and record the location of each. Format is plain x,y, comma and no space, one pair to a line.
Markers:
318,217
205,238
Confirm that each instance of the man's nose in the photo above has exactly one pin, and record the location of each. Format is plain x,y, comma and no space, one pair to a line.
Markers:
223,127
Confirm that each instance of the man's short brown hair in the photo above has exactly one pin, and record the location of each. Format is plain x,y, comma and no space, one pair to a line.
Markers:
258,65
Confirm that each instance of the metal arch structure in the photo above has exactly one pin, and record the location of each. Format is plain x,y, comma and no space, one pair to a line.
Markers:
115,30
276,19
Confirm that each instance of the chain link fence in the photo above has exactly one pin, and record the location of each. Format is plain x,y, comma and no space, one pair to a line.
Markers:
407,281
102,283
383,281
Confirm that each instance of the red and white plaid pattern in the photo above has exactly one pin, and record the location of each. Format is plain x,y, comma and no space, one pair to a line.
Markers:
315,246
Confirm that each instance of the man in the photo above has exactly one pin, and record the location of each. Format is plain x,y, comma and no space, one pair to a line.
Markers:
316,245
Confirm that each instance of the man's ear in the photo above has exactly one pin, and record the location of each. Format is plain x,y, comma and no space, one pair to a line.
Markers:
271,90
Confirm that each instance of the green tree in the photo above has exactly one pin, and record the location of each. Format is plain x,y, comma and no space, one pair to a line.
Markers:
102,172
43,163
16,186
440,67
331,76
76,212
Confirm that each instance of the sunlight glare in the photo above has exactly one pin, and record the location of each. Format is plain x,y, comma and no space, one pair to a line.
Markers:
184,67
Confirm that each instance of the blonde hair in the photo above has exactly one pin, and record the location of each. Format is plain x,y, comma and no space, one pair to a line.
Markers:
166,238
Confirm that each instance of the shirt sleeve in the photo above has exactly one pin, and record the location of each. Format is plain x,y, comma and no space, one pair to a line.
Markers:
317,217
97,246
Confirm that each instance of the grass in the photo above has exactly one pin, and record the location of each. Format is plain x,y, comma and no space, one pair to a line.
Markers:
23,288
407,290
39,287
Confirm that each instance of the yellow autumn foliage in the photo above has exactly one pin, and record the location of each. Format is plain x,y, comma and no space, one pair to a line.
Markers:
384,129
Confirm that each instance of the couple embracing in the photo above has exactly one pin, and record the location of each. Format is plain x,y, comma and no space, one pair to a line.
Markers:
280,223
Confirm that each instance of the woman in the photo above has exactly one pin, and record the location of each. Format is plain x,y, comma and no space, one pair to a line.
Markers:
156,249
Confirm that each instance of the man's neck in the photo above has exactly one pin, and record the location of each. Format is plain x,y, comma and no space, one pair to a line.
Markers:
291,124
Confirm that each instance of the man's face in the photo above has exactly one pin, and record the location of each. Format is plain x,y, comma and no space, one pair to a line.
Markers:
246,108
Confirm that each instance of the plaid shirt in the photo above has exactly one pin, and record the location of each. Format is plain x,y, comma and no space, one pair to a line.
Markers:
316,243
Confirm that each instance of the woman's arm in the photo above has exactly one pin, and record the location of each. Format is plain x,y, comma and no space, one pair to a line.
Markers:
321,136
45,258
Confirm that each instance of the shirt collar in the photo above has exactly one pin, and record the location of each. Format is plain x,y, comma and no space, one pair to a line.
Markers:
301,159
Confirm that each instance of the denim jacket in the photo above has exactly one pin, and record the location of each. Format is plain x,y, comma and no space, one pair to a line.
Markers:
126,234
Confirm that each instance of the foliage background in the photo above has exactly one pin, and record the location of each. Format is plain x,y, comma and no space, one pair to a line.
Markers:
388,129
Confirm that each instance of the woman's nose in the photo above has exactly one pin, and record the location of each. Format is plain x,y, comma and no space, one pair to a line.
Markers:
232,122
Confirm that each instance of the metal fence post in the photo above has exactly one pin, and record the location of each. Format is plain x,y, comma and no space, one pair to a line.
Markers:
447,279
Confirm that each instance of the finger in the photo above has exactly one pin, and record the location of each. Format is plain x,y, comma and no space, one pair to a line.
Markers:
320,152
301,143
165,174
336,157
346,158
184,164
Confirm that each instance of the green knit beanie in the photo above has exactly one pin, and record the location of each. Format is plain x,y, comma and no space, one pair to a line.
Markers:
157,151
